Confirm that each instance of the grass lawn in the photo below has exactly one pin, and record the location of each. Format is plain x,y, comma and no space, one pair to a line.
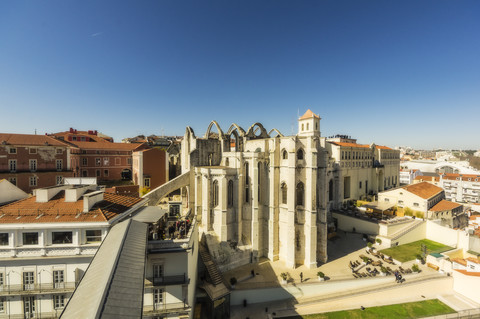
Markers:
406,310
410,251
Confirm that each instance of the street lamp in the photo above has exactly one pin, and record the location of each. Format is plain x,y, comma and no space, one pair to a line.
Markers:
8,281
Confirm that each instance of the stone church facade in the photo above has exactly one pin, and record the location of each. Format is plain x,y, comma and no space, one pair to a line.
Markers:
272,194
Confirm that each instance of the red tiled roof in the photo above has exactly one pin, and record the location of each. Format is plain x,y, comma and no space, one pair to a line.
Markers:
56,210
345,144
468,273
444,205
29,140
460,261
464,177
424,189
309,114
106,145
473,260
427,178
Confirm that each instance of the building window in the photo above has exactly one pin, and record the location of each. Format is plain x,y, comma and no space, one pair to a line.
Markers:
12,165
58,279
2,304
84,161
59,180
32,150
3,239
29,307
285,154
99,173
360,184
129,161
215,193
300,194
59,151
146,182
98,161
59,164
303,127
28,280
106,161
230,193
416,204
33,180
58,301
300,154
84,173
62,237
105,173
117,161
12,150
157,271
93,235
157,298
13,180
2,281
386,199
30,238
284,193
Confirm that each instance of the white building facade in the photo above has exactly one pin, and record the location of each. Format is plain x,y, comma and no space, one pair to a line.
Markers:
272,195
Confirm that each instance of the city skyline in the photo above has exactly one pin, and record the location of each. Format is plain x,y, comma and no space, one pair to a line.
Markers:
390,73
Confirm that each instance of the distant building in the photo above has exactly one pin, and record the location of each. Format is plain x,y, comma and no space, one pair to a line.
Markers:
439,167
97,156
150,168
463,188
34,161
407,176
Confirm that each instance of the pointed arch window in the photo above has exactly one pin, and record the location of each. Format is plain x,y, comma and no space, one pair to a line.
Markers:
284,154
300,154
300,194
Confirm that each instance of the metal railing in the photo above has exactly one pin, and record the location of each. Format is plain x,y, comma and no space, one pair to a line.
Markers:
167,280
164,308
24,289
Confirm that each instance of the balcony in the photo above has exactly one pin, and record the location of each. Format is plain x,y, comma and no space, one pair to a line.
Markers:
26,289
165,280
149,311
43,315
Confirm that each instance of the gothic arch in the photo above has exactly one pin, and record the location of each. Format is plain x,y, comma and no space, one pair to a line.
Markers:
274,130
220,132
233,127
189,132
253,129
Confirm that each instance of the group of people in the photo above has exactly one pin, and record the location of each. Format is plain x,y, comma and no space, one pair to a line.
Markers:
175,230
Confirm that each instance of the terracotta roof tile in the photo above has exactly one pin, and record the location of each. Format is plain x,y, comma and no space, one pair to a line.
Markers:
424,189
427,178
309,114
473,260
468,273
107,145
29,139
345,144
460,261
59,211
444,205
464,177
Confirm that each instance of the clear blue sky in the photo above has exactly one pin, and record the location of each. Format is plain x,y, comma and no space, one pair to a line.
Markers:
389,72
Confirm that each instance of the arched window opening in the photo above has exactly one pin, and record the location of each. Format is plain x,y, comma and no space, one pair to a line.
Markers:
284,193
300,154
285,154
215,193
300,194
230,193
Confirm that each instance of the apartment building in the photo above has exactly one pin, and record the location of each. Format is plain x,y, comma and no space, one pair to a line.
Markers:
407,176
150,167
47,242
34,161
462,188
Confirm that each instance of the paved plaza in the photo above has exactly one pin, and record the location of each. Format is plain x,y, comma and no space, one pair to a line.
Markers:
341,291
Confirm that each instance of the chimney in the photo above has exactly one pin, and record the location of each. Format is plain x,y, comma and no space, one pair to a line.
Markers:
43,195
91,199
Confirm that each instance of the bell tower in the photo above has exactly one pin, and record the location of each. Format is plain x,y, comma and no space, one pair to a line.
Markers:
309,124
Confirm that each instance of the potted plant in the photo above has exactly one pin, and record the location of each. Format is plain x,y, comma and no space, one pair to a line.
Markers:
419,258
383,271
369,246
415,268
321,276
378,241
233,281
365,260
284,277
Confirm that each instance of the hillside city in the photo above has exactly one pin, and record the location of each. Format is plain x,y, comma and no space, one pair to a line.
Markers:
234,222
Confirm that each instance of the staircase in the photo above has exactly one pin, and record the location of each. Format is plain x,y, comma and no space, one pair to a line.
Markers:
409,228
211,266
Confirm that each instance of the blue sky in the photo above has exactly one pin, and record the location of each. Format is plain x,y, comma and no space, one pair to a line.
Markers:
390,72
